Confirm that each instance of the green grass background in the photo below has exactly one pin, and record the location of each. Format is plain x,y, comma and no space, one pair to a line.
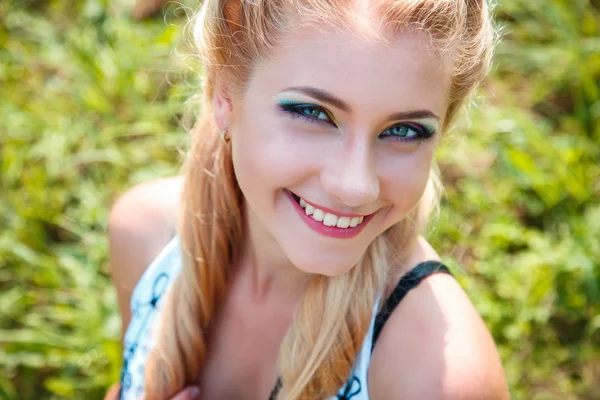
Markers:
91,103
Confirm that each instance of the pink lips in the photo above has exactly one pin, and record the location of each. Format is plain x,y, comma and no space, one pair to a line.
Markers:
330,231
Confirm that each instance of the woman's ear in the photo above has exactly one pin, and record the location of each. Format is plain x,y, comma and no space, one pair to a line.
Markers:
222,106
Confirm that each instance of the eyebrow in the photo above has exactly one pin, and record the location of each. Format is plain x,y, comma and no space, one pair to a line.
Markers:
416,114
326,97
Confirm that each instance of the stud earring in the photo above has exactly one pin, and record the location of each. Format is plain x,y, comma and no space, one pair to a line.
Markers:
225,136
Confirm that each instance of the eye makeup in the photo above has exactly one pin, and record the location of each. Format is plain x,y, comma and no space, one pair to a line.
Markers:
408,132
402,132
306,111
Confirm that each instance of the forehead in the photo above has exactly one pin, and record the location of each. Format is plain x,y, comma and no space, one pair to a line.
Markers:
401,74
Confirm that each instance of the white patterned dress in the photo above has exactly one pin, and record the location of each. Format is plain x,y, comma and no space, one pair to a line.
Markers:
146,302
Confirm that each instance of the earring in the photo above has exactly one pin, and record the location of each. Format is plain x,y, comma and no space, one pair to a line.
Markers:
225,136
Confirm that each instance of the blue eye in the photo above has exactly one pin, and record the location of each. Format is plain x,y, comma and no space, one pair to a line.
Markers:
407,132
309,112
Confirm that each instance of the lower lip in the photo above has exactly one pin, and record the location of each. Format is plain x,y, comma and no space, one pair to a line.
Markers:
329,231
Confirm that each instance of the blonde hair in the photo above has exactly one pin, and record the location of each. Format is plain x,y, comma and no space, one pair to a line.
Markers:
332,318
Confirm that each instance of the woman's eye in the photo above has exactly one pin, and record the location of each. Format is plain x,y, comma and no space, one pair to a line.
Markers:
401,131
309,112
313,112
407,132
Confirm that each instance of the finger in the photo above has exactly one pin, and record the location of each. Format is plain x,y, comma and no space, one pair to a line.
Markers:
189,393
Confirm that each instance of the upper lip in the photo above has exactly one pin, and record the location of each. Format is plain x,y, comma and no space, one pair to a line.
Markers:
330,210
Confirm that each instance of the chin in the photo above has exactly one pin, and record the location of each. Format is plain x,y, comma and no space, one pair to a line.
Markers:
319,264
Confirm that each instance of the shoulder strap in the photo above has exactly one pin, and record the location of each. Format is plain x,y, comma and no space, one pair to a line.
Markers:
276,389
410,280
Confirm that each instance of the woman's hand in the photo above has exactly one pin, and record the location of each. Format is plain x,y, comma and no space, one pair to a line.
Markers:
189,393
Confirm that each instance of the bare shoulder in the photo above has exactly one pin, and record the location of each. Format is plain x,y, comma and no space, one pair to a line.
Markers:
435,345
141,223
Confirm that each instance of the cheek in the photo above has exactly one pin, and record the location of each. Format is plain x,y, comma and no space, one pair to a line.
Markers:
266,155
404,185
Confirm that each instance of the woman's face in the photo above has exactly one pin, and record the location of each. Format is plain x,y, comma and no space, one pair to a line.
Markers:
333,143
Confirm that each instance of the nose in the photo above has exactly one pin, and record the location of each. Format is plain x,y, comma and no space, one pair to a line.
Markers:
350,175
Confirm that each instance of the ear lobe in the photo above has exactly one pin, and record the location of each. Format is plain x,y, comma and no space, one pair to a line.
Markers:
222,106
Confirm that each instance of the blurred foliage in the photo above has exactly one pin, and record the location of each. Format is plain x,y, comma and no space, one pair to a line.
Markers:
91,104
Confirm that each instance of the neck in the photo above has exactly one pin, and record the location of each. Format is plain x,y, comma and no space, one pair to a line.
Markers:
263,265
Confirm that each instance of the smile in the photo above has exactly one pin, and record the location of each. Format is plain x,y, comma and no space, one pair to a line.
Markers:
328,222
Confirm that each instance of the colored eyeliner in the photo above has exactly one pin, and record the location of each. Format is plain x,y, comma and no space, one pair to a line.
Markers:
316,114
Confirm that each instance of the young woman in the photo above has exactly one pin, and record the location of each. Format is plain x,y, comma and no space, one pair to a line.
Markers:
287,263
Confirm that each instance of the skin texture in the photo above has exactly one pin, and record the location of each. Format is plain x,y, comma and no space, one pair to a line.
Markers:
435,345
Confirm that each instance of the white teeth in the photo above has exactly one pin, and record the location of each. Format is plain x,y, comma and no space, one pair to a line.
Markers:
343,222
329,219
309,209
318,215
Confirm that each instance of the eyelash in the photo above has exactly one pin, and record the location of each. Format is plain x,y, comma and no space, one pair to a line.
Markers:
293,109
